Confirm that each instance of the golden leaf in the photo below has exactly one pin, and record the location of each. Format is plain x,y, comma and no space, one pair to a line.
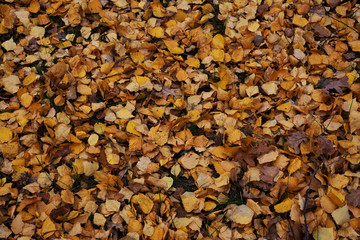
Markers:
285,107
157,32
190,202
284,206
145,203
48,228
218,41
5,134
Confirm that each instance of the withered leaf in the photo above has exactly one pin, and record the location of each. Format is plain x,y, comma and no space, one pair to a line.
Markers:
62,152
353,198
333,86
60,211
325,145
321,31
295,139
334,3
268,174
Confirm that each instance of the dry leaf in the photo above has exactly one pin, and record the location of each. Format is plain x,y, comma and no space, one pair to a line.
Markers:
241,214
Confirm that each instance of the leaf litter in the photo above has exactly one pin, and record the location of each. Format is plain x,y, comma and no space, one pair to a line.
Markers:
179,119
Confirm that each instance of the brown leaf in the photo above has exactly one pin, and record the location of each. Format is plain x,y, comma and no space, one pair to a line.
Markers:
353,198
296,139
59,212
334,86
325,145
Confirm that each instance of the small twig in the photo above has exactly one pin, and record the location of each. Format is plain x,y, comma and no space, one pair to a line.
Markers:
291,228
307,197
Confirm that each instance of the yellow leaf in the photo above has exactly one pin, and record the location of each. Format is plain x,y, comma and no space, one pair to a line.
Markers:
145,203
95,6
285,107
181,75
158,112
193,115
324,234
112,205
173,47
218,55
224,77
218,41
287,85
34,6
159,137
354,159
137,57
238,54
175,170
300,21
48,228
5,134
157,32
62,132
124,113
253,26
10,150
158,234
294,165
341,215
79,72
209,205
284,206
233,136
29,79
222,180
26,100
99,128
355,45
158,63
93,139
131,128
6,116
112,158
193,62
242,104
135,226
190,202
142,80
158,9
335,196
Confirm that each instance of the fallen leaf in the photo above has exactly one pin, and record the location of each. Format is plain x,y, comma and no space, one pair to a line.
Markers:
241,214
284,206
296,139
48,228
11,83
